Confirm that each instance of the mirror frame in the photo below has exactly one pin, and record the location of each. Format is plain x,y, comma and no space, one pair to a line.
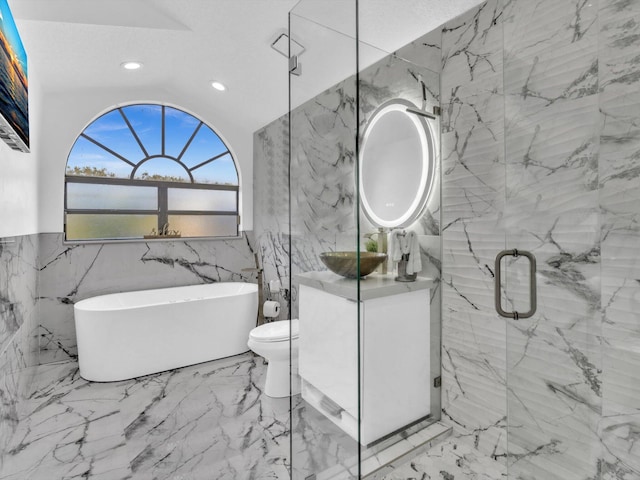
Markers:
416,209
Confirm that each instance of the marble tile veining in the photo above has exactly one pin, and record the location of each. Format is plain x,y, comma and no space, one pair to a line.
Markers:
201,422
450,460
619,175
18,328
69,273
538,145
472,52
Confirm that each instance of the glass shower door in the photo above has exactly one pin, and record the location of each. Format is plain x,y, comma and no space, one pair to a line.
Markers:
323,129
551,210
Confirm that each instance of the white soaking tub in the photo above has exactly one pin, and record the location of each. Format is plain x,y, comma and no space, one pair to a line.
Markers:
127,335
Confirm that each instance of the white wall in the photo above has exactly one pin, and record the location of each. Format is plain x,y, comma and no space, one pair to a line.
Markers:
19,176
66,114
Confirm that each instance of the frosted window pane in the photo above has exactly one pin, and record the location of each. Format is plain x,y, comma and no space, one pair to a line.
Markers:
112,131
111,197
202,200
89,160
179,127
205,145
146,120
205,225
88,227
221,172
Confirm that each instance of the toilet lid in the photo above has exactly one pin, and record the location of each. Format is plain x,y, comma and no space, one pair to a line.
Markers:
275,331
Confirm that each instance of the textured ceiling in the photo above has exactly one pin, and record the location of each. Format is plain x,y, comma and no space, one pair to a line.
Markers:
184,44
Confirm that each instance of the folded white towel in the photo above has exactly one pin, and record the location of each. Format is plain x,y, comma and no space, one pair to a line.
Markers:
394,249
414,264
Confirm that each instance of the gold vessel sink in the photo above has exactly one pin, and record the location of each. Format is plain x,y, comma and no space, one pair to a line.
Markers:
345,263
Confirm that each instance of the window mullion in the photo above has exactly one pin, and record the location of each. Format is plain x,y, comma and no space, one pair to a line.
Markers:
163,132
163,207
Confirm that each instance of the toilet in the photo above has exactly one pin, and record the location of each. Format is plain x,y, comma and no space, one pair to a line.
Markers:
271,341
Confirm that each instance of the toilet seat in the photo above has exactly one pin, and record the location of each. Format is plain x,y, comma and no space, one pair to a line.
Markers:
275,331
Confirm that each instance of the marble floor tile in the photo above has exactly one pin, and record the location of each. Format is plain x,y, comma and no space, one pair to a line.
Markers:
203,422
449,460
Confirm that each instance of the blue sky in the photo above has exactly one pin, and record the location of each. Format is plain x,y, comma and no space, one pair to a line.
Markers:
11,33
112,131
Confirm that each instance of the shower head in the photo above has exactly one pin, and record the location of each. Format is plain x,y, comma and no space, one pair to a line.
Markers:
281,45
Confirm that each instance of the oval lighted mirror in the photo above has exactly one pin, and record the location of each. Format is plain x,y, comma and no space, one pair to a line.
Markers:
396,165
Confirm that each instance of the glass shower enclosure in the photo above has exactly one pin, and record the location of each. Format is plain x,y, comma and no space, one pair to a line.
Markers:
533,242
365,378
322,143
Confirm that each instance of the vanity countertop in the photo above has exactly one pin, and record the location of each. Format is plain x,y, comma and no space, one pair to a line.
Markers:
372,286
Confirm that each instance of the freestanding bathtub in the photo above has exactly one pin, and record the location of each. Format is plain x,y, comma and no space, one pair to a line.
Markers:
127,335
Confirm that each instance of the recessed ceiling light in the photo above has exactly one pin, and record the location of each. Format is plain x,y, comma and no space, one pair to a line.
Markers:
131,65
218,86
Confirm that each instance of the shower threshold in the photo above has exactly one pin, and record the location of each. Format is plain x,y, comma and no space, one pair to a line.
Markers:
387,454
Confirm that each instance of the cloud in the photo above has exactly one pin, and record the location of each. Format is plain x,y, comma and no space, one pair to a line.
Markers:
185,118
102,127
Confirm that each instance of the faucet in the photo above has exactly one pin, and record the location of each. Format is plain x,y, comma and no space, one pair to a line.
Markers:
382,246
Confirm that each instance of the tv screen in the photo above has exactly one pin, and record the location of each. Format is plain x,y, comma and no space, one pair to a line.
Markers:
14,87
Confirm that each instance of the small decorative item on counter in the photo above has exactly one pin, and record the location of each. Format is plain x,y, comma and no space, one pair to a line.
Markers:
377,246
164,232
371,245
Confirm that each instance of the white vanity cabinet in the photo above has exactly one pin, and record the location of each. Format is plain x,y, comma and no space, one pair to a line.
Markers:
394,329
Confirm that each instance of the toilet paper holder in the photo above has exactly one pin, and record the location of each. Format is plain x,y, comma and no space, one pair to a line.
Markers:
271,309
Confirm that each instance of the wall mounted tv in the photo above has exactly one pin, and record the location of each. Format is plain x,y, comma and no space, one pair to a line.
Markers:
14,87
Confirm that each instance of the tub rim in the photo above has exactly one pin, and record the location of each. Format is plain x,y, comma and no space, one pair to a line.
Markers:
88,304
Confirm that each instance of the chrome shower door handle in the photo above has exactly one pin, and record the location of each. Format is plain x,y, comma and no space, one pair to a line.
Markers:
533,301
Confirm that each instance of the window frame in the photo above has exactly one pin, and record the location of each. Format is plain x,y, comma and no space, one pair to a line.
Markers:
162,211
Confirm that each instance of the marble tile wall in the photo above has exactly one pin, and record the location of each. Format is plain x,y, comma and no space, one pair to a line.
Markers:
69,273
540,147
323,163
619,181
271,204
473,202
18,328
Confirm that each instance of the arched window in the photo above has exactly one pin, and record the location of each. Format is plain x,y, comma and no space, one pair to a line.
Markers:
150,171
